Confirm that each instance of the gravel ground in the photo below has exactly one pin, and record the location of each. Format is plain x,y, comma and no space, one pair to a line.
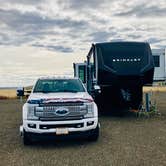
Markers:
123,141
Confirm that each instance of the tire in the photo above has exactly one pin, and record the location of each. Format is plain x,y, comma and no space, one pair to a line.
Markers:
26,139
95,134
136,97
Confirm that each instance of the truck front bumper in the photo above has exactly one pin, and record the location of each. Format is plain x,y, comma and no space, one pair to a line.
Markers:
44,128
53,136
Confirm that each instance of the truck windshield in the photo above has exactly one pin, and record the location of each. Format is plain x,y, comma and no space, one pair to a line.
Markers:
54,86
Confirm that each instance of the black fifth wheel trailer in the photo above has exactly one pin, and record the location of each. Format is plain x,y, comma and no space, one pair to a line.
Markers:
120,69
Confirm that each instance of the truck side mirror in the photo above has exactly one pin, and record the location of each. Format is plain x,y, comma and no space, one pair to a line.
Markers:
20,91
97,89
27,93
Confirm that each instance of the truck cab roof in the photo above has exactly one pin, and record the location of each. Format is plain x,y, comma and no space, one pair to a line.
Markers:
56,77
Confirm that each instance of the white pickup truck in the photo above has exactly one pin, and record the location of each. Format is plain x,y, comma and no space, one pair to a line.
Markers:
58,107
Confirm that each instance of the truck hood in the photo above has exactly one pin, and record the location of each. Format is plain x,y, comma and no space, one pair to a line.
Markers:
60,97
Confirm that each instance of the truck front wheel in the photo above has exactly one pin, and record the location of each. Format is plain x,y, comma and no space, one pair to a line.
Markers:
94,135
26,139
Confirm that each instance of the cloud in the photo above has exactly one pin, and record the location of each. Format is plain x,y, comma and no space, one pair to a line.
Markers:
76,4
55,48
31,26
75,22
26,2
3,37
143,10
20,21
153,40
134,36
100,36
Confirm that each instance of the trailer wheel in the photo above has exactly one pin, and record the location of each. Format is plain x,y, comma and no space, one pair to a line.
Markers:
95,135
137,97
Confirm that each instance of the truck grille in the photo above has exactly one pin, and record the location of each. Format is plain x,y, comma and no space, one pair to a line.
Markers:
77,125
61,111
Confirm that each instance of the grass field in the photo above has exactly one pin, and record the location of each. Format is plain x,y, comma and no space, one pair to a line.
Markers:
10,93
7,93
124,141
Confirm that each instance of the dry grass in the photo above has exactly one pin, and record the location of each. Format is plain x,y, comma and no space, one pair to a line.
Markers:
124,141
154,89
7,93
11,93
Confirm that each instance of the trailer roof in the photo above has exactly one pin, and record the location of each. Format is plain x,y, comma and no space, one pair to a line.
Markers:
122,42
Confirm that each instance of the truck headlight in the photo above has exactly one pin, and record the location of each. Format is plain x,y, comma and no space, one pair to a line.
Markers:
31,112
90,110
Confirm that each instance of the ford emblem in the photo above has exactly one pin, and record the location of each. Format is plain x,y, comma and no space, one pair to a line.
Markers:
61,111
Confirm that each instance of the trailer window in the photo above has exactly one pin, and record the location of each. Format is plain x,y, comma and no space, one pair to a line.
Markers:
156,60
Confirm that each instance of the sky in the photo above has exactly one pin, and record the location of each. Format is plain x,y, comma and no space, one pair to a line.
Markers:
45,37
